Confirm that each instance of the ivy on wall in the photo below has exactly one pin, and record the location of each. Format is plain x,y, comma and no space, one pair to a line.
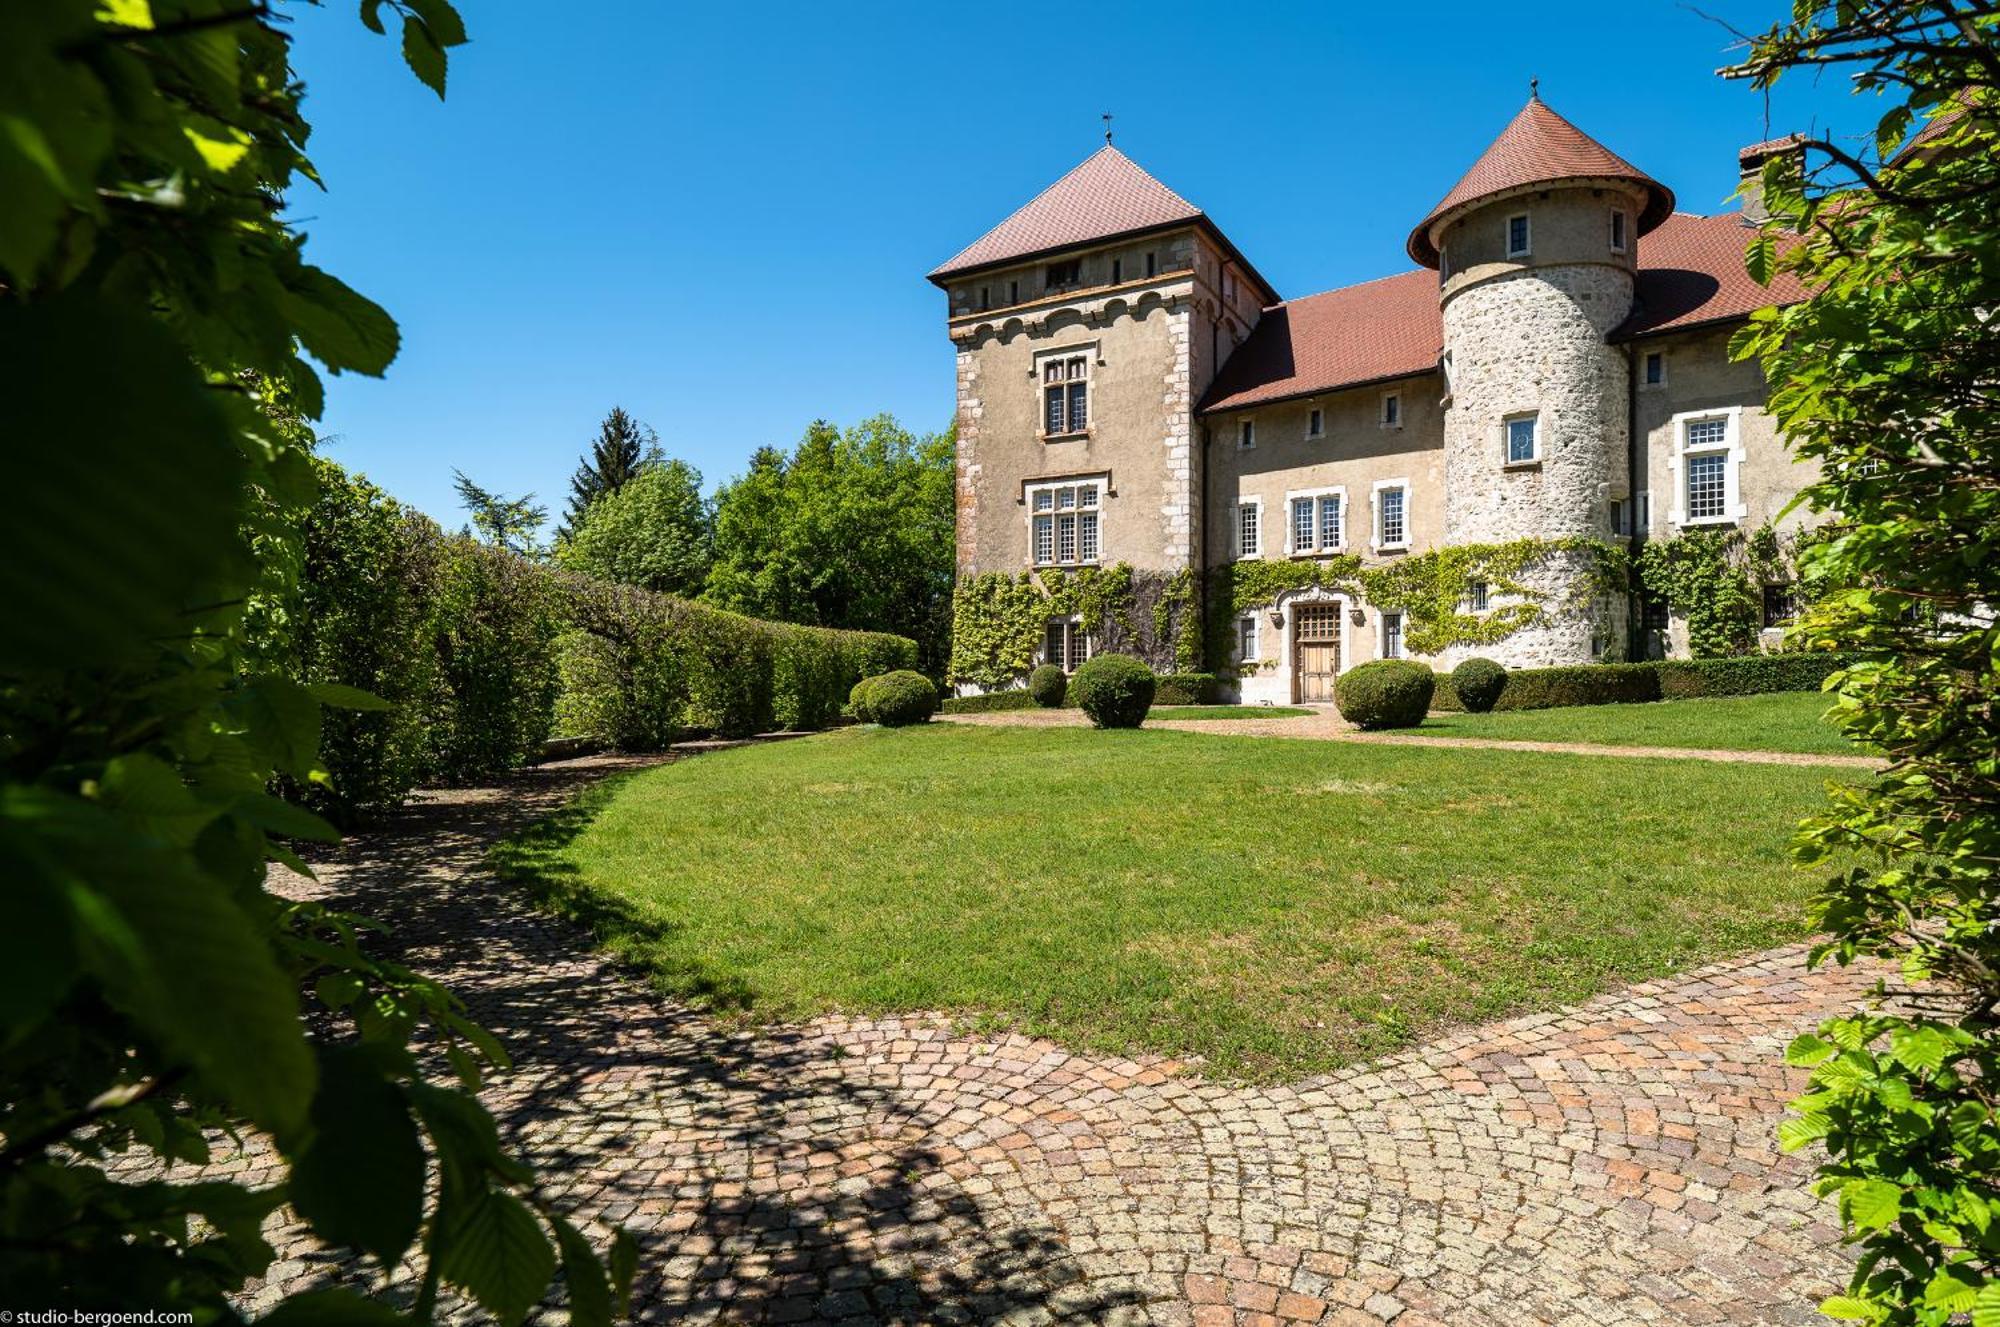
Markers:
997,620
1704,575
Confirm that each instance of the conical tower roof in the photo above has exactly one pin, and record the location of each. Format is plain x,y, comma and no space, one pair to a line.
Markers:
1538,148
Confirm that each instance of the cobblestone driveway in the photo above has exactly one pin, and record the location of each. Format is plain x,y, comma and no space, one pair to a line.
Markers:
1610,1164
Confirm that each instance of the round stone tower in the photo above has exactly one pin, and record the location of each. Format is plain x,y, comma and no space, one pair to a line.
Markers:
1536,250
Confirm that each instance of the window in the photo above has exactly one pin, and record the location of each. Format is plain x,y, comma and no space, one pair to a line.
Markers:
1013,292
1063,521
1152,266
1316,522
1065,274
1707,457
1621,516
1065,644
1246,434
1228,284
1315,424
1117,270
1249,529
1444,363
1517,235
1656,369
1065,395
1392,525
1392,635
1444,264
1246,638
985,298
1392,410
1617,232
1523,434
1480,596
1781,605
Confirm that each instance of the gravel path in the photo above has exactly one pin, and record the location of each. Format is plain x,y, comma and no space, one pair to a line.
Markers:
1608,1164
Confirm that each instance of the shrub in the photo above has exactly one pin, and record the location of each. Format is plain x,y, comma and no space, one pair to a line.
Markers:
858,698
1388,693
901,698
1115,690
1580,684
1478,683
1186,689
1748,675
1047,685
989,703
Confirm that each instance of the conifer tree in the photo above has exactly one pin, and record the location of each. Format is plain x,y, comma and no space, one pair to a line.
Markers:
616,456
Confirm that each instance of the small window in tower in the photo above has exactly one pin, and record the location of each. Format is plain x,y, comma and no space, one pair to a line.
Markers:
1065,274
1065,395
1392,410
1617,232
985,298
1013,292
1315,423
1480,596
1246,434
1228,284
1517,235
1117,270
1152,265
1523,439
1656,369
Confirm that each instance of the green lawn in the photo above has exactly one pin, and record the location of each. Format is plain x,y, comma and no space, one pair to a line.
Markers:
1220,712
1783,721
1278,906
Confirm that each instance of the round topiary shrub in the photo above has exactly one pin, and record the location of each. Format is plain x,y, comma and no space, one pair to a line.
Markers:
1479,683
1389,693
1115,690
857,701
901,697
1047,685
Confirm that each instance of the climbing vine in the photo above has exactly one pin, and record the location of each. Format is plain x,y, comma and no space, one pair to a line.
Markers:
997,620
1704,575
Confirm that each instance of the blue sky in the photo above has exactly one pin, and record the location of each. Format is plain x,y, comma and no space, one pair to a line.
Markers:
719,216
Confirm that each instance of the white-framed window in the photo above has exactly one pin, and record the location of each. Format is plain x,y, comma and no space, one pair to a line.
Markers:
1246,639
1318,521
1621,516
1064,522
1653,371
1315,423
1444,365
1618,224
1518,236
1521,436
1065,644
1248,528
1392,514
1246,434
1707,464
1066,393
1480,596
1392,410
1392,635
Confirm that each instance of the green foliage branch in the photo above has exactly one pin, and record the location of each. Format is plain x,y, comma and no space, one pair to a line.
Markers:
1884,377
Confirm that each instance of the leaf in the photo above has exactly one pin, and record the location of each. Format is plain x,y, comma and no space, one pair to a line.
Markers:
623,1265
343,697
371,15
1871,1204
423,54
343,329
222,147
495,1251
446,27
589,1289
1849,1309
1807,1049
96,573
147,794
1760,259
280,719
332,1308
360,1180
38,945
1801,1131
1986,1306
1920,1048
275,816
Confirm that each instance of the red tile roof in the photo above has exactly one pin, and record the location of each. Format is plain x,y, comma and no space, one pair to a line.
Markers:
1690,273
1106,195
1538,147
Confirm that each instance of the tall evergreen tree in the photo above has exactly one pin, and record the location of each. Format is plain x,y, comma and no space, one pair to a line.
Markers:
618,453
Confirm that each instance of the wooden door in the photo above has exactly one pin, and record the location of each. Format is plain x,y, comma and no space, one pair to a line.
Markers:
1316,650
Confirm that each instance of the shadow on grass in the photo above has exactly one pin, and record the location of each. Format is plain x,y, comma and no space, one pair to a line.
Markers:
767,1177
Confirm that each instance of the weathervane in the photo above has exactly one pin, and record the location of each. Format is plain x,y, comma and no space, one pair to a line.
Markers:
1107,126
1534,89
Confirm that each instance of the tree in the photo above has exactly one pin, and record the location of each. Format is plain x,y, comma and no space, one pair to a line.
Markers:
152,989
653,531
614,459
504,522
853,529
1888,377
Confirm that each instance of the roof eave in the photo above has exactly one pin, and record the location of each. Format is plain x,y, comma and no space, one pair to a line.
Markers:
1659,206
1304,393
942,277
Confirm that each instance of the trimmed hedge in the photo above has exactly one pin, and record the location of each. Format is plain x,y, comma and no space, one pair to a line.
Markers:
1388,693
1115,690
1659,679
1186,689
484,655
1478,683
901,698
1047,684
988,703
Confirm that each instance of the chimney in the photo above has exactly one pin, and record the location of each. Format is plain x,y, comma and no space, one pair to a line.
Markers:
1750,172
